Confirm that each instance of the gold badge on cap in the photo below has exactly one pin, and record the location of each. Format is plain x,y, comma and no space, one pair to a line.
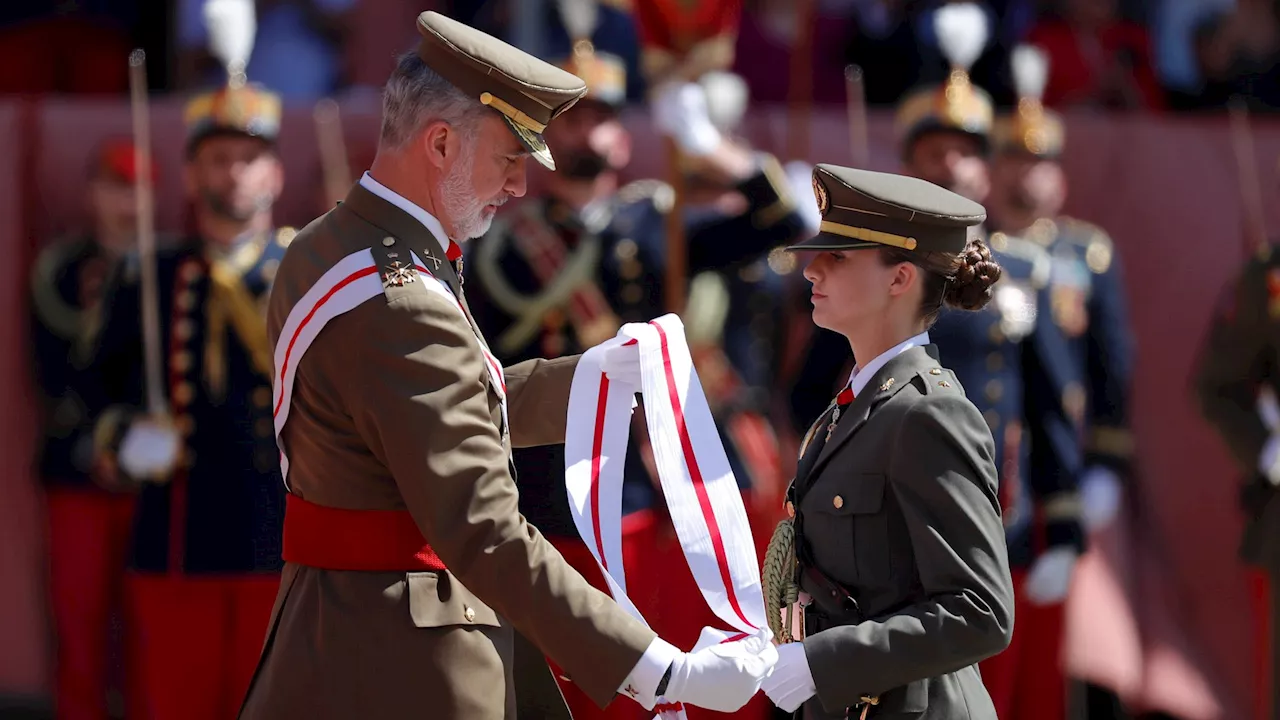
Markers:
820,193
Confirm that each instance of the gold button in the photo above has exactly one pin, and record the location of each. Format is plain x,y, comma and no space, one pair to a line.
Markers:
286,236
838,502
944,383
791,509
191,271
626,248
262,397
935,371
186,424
995,362
388,241
185,300
181,361
183,393
996,334
469,614
185,329
630,269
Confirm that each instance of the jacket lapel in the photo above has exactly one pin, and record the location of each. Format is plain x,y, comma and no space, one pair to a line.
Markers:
896,374
406,229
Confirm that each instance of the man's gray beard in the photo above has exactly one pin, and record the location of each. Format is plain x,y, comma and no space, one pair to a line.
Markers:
466,212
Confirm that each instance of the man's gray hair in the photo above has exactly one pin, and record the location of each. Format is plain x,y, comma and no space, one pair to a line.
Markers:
416,96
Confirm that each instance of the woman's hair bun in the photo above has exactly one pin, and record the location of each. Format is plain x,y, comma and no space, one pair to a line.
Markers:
976,272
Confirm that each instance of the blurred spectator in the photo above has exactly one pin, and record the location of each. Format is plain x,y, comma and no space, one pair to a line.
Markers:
1174,28
1215,81
298,50
768,33
1252,32
52,46
1097,59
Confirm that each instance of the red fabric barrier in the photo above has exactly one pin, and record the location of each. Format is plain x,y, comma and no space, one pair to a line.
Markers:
1166,191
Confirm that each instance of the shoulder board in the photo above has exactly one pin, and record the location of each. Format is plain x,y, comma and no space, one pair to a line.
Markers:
1099,250
662,195
938,379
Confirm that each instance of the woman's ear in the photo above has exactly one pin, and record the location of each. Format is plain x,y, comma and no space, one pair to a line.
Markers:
905,276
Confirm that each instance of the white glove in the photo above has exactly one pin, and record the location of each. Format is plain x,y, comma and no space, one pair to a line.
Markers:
722,677
1269,460
149,449
1050,577
680,112
790,683
1100,494
621,364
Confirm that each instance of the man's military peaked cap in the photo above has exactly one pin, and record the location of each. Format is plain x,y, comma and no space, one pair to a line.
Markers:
864,209
527,91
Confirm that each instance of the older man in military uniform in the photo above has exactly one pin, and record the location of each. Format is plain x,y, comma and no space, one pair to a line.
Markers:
89,525
1087,350
205,560
567,269
408,563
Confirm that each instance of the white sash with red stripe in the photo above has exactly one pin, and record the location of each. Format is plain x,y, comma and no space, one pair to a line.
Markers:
348,284
701,492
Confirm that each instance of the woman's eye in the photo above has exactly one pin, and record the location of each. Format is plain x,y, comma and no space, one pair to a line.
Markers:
837,256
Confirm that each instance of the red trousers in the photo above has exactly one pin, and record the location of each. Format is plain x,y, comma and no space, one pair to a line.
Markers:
1263,677
194,643
88,537
1026,681
663,589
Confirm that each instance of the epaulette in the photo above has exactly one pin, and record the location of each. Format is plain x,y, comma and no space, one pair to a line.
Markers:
939,379
58,315
661,194
395,268
1096,243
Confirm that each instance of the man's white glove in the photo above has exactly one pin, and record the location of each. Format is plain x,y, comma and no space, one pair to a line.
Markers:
149,449
621,364
1050,577
722,677
1100,495
1269,460
790,683
680,112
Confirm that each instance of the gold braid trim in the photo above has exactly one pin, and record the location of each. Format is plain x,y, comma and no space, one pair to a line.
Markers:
780,588
232,298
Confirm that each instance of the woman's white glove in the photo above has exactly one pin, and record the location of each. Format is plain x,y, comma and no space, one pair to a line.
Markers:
790,683
722,677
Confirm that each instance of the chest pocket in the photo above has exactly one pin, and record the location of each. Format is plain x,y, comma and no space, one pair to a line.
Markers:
848,529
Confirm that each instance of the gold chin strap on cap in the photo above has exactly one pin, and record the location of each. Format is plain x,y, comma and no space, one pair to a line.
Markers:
875,236
517,116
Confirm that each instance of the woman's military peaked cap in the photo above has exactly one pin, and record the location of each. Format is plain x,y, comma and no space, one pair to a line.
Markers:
863,209
527,91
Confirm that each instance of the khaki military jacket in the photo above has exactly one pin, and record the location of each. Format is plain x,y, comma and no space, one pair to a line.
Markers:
392,409
898,513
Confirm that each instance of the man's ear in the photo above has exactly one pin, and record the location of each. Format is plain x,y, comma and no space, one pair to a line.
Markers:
438,142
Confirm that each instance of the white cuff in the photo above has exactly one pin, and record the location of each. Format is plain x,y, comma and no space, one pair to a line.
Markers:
642,684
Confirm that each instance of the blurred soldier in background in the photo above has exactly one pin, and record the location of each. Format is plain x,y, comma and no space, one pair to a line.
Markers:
88,525
205,561
1086,361
563,272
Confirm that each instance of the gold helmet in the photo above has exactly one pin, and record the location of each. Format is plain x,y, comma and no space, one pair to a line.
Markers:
957,105
238,107
1031,128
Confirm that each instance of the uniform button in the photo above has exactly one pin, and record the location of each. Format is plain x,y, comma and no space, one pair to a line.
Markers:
625,249
791,509
185,300
185,329
469,614
935,371
186,424
944,383
631,293
838,502
994,390
183,393
264,427
630,269
191,271
262,397
388,241
181,361
995,362
996,334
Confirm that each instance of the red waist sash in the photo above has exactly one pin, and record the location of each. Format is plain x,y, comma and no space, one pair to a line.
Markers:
367,540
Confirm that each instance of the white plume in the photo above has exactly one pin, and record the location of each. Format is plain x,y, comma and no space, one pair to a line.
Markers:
727,96
232,26
962,33
1030,71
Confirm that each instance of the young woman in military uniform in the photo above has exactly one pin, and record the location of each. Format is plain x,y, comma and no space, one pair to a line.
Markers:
891,581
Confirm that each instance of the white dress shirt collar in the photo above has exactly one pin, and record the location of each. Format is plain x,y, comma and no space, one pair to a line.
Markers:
427,219
862,375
